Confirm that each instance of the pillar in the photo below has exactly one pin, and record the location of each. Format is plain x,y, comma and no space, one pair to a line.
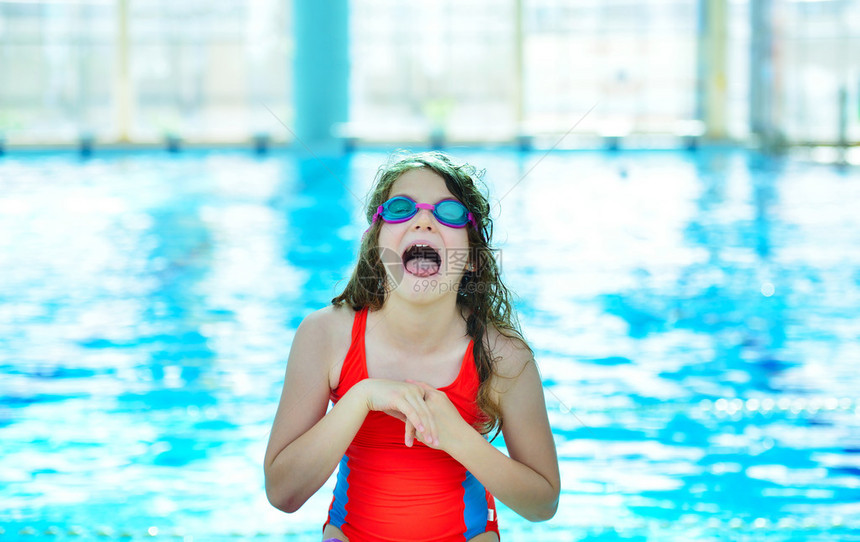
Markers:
320,69
712,94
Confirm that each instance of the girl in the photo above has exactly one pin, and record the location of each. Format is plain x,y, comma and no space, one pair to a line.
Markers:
422,358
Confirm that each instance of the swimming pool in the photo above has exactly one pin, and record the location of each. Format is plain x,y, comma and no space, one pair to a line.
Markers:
695,318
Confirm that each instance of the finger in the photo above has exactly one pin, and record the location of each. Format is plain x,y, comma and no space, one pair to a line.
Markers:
410,410
408,413
418,402
431,435
409,438
430,392
425,423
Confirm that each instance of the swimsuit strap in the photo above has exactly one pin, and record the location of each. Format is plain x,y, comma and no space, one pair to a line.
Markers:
354,368
462,390
359,323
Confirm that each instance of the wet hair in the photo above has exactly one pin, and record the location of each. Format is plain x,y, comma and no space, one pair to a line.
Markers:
482,298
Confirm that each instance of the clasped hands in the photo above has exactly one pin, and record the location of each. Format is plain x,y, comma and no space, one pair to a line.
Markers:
428,413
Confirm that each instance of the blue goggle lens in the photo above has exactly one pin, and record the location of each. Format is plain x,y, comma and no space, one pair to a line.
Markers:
399,208
452,212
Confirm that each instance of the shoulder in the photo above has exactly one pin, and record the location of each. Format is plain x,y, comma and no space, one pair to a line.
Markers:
516,382
327,326
328,331
511,355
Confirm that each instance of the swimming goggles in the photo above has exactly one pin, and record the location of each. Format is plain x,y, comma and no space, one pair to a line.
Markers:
449,212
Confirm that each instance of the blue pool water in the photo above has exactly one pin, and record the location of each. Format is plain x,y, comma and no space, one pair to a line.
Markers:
694,315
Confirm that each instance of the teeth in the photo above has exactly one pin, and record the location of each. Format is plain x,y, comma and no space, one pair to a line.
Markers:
419,246
421,250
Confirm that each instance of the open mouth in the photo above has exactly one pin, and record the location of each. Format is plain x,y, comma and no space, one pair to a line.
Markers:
422,260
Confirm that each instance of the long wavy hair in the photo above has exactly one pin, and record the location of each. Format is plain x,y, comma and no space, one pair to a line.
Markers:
482,298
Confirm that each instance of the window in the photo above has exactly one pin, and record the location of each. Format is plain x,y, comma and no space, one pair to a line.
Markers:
420,68
207,70
635,60
143,70
817,70
453,67
56,70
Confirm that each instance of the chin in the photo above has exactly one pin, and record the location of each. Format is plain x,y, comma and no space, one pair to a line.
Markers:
429,288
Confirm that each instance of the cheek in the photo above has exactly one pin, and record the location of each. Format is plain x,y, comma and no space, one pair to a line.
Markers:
388,235
388,241
457,250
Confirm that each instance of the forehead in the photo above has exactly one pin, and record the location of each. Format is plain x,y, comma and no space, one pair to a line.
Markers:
421,185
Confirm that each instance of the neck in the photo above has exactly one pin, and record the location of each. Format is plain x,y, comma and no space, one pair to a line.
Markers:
420,327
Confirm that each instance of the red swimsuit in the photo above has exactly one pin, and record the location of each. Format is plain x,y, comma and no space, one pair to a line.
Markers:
388,492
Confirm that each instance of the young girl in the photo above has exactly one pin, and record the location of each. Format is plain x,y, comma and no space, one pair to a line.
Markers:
422,358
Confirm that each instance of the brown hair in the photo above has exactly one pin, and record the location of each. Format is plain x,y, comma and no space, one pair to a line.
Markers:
481,293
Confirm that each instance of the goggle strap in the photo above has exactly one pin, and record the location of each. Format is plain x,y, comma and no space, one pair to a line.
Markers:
372,221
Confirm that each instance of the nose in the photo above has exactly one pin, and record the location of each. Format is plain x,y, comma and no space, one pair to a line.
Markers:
424,220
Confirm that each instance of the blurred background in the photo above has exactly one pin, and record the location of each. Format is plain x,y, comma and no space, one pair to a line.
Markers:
675,194
139,72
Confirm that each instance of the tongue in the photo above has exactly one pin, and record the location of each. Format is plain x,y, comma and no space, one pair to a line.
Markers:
422,267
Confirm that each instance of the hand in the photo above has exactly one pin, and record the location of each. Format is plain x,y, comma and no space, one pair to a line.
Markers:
404,401
448,423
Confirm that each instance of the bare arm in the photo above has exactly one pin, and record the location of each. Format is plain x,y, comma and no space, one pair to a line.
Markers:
307,443
528,481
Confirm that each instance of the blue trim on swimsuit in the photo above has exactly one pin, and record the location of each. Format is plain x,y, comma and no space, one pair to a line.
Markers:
337,516
475,506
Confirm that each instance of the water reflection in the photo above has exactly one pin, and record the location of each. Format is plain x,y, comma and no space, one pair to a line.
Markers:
694,317
702,348
320,210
